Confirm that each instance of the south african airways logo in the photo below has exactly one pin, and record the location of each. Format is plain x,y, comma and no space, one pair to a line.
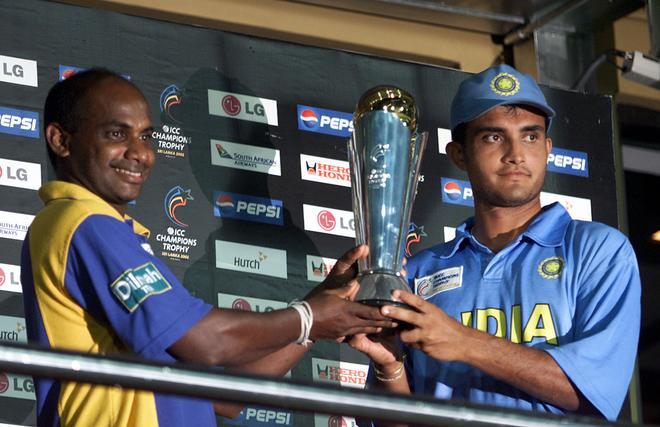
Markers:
176,198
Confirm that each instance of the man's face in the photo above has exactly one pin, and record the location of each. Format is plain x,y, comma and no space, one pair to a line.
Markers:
110,152
505,155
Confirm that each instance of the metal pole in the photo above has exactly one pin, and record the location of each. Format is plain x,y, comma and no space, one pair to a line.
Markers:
214,385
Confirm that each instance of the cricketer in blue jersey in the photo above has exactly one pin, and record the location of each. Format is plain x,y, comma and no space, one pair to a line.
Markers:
525,308
92,284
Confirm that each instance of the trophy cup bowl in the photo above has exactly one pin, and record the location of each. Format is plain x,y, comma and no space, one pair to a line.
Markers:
384,153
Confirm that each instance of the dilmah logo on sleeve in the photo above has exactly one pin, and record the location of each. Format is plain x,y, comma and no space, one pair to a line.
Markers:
137,284
440,281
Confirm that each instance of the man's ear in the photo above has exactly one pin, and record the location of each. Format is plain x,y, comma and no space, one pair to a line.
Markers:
548,145
456,152
58,139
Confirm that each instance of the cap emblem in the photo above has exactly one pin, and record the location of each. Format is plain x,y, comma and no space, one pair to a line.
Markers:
505,84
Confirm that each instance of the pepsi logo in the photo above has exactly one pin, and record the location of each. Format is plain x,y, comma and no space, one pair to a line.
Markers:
326,220
241,304
231,105
225,202
309,118
452,190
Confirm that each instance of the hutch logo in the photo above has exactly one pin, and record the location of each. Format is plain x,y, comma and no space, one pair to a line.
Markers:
250,259
577,207
327,171
243,107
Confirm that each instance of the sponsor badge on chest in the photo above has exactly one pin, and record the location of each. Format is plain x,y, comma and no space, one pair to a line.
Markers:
440,281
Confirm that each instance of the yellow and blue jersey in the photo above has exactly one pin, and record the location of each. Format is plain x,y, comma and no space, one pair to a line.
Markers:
92,284
570,288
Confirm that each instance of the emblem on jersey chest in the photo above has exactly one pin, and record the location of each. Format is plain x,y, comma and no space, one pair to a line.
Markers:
551,268
440,281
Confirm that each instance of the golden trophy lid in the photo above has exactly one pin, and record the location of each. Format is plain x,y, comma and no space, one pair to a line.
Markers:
388,98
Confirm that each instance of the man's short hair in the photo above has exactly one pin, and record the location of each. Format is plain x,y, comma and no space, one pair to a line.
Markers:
65,101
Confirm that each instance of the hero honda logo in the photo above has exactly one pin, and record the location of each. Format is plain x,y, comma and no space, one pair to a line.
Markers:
569,162
250,208
18,71
318,267
347,374
20,174
331,122
19,122
327,171
250,259
243,107
456,192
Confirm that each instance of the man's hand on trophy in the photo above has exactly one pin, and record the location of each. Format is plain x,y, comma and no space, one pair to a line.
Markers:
383,349
429,329
335,315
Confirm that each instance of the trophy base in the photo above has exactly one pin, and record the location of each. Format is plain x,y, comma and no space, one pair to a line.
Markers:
382,302
376,289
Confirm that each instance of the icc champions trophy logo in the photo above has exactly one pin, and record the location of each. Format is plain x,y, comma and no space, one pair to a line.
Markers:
177,197
170,98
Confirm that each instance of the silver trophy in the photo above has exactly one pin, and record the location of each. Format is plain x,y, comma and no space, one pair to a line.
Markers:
385,153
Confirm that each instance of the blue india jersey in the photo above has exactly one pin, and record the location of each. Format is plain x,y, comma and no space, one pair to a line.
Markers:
570,288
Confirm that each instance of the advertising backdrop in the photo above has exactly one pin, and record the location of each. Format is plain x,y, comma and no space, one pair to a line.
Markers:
249,203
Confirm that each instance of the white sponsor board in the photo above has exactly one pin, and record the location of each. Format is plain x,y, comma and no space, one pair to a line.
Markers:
328,220
16,386
322,420
327,171
239,302
18,71
10,278
444,138
318,267
347,374
246,157
12,329
243,107
20,174
14,225
250,259
449,232
577,207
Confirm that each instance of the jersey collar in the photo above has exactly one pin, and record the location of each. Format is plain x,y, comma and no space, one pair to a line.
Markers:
57,190
548,228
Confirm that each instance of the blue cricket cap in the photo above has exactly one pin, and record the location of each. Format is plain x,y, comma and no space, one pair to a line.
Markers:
499,85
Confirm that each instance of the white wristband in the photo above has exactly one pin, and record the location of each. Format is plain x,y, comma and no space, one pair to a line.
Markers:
306,321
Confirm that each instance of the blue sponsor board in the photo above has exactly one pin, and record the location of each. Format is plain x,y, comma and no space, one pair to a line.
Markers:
456,192
313,119
568,161
258,417
19,122
249,208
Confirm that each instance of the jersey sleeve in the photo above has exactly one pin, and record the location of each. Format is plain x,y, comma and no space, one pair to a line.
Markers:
117,281
599,355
